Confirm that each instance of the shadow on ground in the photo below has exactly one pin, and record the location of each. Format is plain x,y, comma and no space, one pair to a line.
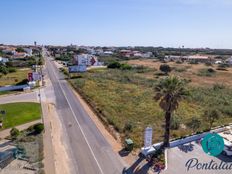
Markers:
140,166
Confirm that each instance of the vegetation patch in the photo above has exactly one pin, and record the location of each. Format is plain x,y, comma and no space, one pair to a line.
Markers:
124,100
19,113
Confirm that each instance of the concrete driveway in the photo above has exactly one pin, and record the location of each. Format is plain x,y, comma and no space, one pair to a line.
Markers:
23,97
178,158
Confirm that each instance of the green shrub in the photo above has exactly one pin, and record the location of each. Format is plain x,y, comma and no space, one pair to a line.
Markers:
193,62
208,64
11,70
14,132
165,68
207,72
126,67
128,127
114,65
38,128
211,70
4,70
180,69
175,122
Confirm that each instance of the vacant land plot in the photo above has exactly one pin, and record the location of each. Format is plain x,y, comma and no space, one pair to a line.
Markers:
193,72
19,113
124,98
14,78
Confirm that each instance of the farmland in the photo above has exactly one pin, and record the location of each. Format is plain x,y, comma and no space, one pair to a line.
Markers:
124,98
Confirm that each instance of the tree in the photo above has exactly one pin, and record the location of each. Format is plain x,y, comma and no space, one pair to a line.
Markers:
3,69
41,61
169,92
14,132
20,49
165,68
211,116
194,124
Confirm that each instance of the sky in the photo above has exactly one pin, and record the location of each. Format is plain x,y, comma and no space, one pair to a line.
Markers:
167,23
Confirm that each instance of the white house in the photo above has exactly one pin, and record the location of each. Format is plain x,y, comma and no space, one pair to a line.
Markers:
147,54
108,53
9,50
229,60
28,51
4,60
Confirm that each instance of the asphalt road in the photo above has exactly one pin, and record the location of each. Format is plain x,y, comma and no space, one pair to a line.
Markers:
90,152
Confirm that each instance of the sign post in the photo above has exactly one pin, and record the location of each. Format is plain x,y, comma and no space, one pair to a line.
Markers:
148,137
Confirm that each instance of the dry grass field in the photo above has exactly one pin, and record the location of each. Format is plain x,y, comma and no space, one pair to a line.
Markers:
191,72
124,98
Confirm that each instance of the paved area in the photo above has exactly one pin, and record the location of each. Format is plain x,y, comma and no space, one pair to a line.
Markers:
22,97
6,132
177,160
87,147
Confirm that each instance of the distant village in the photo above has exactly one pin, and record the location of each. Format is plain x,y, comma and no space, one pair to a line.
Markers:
84,56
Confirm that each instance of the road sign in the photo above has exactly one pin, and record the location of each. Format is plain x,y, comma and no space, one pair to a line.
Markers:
148,137
36,76
30,77
78,68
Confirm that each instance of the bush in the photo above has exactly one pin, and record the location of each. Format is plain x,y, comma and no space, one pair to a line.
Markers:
128,127
180,69
211,70
126,67
207,72
208,64
14,132
175,122
38,128
114,65
165,68
179,62
4,70
193,62
11,70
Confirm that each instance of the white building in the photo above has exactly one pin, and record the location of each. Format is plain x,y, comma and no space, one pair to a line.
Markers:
108,53
11,51
4,60
229,61
28,51
147,54
85,59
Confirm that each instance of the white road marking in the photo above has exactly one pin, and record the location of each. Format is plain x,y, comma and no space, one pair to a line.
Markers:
74,115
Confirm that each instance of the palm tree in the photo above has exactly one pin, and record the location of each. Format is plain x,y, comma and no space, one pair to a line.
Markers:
169,92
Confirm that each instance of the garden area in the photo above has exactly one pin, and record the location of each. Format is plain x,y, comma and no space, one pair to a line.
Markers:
14,114
123,97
